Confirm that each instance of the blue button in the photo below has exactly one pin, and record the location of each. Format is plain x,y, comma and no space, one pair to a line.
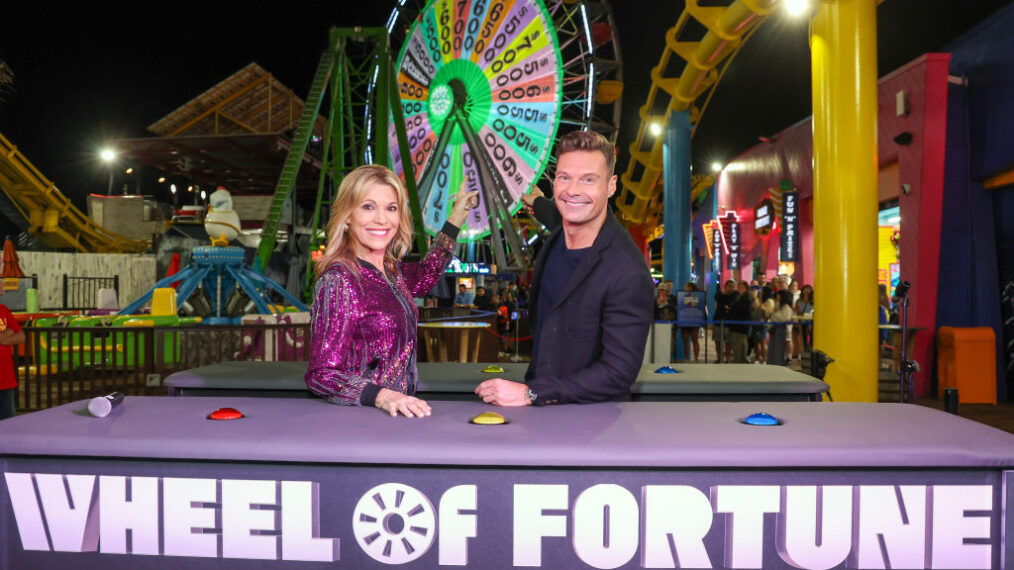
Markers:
667,370
762,419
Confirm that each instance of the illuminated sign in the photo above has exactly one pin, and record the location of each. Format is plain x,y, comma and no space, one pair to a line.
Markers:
790,226
458,266
733,240
606,520
718,245
764,217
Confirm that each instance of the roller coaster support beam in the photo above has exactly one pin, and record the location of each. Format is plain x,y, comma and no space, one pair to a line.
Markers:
676,208
843,45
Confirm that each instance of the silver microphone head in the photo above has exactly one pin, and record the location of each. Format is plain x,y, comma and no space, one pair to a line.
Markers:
100,407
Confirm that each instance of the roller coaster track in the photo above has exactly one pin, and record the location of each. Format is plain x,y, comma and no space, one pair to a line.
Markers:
50,216
688,73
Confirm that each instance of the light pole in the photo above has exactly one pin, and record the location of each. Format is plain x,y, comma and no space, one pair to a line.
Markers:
108,155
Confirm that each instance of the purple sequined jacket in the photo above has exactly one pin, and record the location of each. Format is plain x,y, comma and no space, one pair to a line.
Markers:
363,328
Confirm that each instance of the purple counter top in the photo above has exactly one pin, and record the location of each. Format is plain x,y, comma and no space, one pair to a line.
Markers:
629,434
463,377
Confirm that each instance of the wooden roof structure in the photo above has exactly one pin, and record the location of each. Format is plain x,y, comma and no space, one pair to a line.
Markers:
250,101
236,134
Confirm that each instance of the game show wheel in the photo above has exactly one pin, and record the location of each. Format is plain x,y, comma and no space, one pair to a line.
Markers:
481,86
394,523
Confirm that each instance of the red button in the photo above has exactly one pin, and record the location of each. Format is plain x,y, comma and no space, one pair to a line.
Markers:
225,414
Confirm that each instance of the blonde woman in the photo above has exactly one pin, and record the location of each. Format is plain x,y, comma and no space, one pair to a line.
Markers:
363,319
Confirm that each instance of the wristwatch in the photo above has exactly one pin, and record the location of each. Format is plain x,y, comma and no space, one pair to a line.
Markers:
531,395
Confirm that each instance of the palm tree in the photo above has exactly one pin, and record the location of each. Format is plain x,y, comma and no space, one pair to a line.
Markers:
6,78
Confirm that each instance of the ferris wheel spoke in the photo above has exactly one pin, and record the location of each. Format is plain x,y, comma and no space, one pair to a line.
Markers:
433,167
495,193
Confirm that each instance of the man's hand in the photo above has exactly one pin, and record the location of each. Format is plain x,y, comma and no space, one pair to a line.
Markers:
394,402
529,199
500,392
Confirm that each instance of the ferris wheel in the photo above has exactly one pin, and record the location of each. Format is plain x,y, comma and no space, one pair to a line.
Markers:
485,86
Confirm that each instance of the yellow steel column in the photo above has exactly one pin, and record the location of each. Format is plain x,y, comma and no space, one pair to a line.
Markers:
843,46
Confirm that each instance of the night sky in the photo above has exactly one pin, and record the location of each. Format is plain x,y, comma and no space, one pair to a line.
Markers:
89,73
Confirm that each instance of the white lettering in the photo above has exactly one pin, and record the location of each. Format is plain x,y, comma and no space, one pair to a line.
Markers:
139,515
182,517
531,525
606,526
744,527
301,525
815,526
455,527
72,518
394,523
951,526
892,527
239,520
678,513
27,515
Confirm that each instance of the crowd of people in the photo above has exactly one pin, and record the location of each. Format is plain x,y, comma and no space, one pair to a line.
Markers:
501,297
769,322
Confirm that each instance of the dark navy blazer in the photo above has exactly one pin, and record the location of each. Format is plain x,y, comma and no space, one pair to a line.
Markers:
591,342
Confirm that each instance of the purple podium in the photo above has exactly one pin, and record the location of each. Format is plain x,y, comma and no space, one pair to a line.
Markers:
304,484
457,381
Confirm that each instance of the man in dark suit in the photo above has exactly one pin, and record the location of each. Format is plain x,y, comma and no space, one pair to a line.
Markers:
592,295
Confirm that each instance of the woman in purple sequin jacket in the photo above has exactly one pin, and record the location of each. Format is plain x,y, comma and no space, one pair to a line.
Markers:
364,317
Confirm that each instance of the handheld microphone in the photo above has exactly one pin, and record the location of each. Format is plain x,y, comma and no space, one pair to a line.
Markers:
101,406
901,291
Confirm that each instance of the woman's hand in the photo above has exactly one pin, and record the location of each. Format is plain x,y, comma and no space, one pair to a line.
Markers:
394,403
463,202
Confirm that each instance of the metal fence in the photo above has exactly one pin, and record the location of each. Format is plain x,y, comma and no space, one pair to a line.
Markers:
81,293
57,365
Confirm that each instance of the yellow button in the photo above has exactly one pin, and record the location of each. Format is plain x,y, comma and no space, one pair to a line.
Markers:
488,419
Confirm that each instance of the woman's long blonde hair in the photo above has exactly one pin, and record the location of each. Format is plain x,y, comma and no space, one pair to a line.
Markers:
340,248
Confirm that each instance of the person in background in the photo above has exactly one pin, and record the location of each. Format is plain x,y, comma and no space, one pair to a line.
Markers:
665,309
758,332
502,321
780,333
10,335
464,298
690,334
363,320
483,300
884,311
523,295
802,338
768,304
740,311
720,333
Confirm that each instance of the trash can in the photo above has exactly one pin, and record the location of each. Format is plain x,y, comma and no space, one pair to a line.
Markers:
966,360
